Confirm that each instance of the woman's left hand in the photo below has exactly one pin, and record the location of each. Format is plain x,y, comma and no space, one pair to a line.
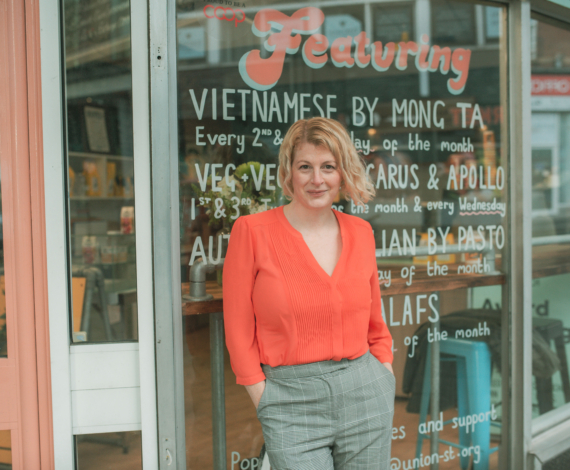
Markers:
389,367
255,391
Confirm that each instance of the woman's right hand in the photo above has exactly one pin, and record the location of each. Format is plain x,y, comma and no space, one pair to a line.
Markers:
255,391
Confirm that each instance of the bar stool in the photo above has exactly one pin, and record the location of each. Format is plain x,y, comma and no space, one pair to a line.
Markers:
473,365
552,329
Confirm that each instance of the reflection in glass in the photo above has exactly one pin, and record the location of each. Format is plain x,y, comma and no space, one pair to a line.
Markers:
433,145
5,450
116,451
101,172
394,24
550,103
454,23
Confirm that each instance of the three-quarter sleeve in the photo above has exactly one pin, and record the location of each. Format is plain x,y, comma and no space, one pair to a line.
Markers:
239,317
379,337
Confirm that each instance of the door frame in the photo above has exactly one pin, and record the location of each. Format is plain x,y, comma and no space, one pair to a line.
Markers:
69,391
166,234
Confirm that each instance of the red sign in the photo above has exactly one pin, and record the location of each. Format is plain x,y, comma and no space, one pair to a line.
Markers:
225,14
551,85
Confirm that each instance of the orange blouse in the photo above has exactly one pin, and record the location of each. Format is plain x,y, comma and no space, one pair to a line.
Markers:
282,308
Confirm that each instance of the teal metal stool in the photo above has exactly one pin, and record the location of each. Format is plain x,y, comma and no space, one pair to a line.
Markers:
473,365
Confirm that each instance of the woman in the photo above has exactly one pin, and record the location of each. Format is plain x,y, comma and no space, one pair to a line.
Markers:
303,316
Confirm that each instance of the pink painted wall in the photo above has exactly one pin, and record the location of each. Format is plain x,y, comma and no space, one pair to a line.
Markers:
25,399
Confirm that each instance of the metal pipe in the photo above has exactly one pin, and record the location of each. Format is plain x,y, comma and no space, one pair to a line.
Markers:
198,293
100,280
551,240
435,386
438,250
218,390
198,273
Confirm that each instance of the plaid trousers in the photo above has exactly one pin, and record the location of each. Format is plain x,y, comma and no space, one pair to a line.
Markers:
329,415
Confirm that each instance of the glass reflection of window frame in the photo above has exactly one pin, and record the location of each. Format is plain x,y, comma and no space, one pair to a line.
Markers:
552,201
441,4
485,18
406,7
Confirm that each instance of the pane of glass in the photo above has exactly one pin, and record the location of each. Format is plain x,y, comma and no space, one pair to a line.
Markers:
114,450
5,450
394,25
101,172
3,325
433,147
550,215
454,23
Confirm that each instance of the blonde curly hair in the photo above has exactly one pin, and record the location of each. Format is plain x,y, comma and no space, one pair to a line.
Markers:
328,133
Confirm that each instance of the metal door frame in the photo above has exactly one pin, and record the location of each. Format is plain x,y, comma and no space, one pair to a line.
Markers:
166,234
63,353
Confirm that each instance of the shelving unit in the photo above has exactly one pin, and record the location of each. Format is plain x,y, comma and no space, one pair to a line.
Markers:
122,170
96,239
101,198
100,155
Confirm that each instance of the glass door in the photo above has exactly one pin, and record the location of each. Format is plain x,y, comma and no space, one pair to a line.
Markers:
550,221
420,87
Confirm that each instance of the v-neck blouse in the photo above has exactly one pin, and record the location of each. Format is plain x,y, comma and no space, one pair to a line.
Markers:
282,308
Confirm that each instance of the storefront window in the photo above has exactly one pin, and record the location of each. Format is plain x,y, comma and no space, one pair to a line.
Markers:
116,450
5,450
420,94
100,170
550,215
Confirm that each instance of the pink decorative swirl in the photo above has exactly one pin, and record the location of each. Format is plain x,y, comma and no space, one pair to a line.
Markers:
481,213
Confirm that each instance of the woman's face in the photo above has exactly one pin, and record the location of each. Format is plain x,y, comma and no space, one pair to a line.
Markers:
315,176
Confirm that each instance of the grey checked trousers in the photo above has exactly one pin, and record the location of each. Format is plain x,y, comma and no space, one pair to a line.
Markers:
330,415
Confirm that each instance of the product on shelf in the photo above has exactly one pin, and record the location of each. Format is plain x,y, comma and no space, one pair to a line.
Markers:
89,249
111,173
121,252
423,259
447,257
119,188
474,257
111,254
92,179
71,181
107,254
127,219
128,185
79,185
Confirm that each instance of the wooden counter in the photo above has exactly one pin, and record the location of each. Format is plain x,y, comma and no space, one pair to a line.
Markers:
548,260
209,306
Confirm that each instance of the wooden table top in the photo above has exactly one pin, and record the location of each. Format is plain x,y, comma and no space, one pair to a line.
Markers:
548,260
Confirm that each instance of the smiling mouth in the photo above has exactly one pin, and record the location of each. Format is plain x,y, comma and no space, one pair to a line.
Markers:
317,193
